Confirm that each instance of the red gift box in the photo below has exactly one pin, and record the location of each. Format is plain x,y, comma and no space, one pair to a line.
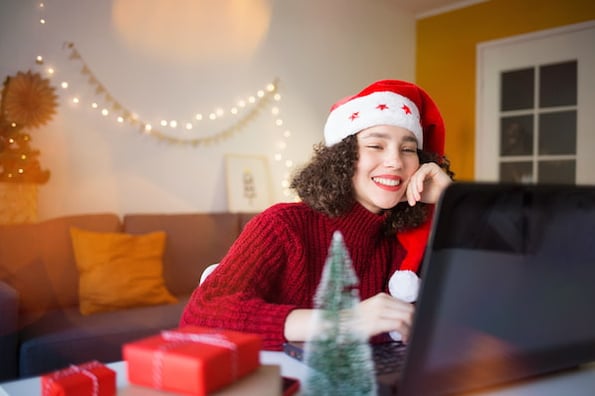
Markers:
91,378
192,360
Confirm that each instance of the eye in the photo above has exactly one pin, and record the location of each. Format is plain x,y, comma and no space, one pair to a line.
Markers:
409,150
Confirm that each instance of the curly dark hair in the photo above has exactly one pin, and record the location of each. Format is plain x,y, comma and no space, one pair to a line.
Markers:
325,184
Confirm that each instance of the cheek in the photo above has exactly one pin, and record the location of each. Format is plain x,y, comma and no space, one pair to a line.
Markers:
366,163
412,164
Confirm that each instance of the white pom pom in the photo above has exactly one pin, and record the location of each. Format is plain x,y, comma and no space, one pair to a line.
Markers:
404,285
396,336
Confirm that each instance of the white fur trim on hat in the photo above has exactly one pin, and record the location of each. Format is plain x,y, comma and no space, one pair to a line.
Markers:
377,108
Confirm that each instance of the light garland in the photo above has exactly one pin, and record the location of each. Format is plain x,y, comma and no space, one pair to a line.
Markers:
245,110
251,107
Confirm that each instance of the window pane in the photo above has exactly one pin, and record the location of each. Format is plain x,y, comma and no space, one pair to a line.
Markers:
516,172
557,172
516,135
557,133
557,85
517,90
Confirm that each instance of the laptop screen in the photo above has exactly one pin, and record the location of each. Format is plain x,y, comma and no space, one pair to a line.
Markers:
508,288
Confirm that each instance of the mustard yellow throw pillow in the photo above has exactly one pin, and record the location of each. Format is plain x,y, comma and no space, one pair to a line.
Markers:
119,270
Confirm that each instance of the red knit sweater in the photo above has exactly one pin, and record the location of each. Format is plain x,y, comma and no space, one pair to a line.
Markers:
276,263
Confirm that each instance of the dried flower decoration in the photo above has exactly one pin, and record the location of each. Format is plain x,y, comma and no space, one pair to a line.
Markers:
29,100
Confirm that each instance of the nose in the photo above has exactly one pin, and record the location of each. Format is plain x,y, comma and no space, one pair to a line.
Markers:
393,160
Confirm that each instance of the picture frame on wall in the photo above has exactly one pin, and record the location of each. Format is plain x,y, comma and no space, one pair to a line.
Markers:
248,183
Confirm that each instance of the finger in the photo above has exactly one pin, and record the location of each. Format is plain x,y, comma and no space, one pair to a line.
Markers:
413,190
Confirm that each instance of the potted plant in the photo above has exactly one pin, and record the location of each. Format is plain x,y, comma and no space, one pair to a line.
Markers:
27,102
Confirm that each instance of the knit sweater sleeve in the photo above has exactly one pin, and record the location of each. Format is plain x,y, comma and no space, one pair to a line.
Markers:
243,292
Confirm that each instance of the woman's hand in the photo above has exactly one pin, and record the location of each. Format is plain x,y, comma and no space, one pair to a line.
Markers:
383,313
427,184
379,314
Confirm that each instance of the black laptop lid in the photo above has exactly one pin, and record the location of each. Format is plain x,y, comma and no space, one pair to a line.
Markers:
508,288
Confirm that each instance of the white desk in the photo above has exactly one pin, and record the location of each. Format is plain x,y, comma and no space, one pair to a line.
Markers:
31,386
571,383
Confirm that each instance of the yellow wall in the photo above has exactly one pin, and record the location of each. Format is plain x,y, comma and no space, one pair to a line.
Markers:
445,64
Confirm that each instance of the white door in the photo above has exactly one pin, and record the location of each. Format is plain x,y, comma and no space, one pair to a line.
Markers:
536,107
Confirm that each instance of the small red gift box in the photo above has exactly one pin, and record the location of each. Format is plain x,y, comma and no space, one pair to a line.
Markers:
192,360
91,378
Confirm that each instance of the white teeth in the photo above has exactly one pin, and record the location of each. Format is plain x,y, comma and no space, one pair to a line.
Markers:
386,182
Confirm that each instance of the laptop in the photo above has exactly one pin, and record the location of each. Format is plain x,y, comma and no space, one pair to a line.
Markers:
507,293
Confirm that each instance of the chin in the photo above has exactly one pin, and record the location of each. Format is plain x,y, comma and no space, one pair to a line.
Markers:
387,205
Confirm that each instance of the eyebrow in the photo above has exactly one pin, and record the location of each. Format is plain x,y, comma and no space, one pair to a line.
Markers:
382,135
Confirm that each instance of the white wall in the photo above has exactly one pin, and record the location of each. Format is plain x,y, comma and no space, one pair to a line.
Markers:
319,50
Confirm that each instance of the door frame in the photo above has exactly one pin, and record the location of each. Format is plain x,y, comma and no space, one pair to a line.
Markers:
481,138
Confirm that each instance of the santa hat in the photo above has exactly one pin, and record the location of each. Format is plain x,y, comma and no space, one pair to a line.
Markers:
402,104
388,102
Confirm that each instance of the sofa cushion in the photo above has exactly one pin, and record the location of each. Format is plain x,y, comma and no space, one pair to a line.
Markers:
194,241
63,337
119,270
37,259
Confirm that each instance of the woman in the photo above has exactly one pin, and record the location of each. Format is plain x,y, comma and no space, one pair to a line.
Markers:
379,167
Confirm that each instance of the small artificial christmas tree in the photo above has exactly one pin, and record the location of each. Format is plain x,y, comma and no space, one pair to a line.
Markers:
339,356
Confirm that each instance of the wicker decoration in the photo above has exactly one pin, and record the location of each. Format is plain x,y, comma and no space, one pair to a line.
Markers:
19,203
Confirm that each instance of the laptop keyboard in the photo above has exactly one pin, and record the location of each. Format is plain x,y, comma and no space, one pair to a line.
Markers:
388,357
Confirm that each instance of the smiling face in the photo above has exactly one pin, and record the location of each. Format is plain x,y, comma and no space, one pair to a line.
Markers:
387,159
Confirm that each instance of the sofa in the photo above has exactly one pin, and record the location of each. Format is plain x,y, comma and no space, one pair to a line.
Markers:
43,326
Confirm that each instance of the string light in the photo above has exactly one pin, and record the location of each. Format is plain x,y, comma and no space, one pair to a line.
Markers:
243,111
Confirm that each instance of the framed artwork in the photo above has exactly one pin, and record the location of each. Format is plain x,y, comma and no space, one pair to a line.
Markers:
248,183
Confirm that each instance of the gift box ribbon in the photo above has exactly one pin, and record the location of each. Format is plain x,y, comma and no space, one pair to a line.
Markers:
84,369
177,338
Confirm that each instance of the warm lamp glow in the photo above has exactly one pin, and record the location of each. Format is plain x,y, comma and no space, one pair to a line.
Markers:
192,30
